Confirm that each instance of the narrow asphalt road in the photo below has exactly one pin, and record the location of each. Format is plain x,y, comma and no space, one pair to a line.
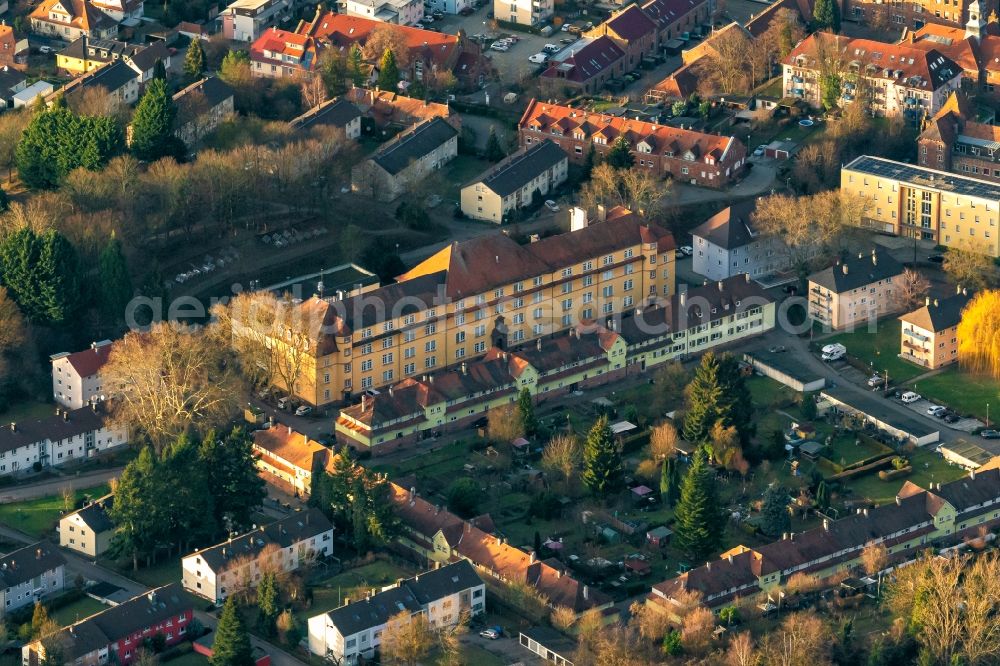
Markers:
55,486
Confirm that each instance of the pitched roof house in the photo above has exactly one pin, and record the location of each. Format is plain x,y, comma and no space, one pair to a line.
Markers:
88,530
728,244
117,634
953,141
686,155
386,108
29,574
76,378
633,30
233,565
405,159
13,52
72,19
12,81
287,458
117,80
855,290
584,68
447,538
929,334
512,183
201,107
337,112
919,518
353,631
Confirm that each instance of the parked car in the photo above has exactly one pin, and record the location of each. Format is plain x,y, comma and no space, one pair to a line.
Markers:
283,402
909,397
551,205
936,410
936,258
304,410
492,633
550,48
951,417
776,349
538,58
566,40
499,46
876,380
45,49
466,11
759,151
686,250
990,434
833,352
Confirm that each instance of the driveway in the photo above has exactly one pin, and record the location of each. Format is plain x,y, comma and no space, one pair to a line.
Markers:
760,180
507,648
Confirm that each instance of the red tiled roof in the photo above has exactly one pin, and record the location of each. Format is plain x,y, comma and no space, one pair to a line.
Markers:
930,65
667,12
950,41
292,447
341,30
89,362
544,116
631,24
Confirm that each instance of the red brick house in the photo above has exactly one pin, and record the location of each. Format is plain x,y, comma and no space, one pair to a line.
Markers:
633,31
584,70
693,157
953,141
12,54
675,17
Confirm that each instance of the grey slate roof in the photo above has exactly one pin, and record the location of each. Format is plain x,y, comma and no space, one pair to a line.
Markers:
333,113
9,78
285,532
413,144
938,315
214,90
111,77
729,228
145,58
857,272
410,596
95,515
53,428
522,167
24,564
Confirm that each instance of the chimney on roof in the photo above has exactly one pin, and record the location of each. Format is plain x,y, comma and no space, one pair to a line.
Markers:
497,258
151,595
465,368
38,553
437,509
843,268
430,379
784,536
826,524
747,276
730,558
927,301
708,566
683,297
57,411
864,512
364,402
65,415
935,302
972,474
602,213
965,292
538,344
289,430
958,289
586,592
390,391
899,500
13,427
534,556
93,345
720,285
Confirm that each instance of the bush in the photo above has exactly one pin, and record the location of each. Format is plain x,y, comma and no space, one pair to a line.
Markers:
890,474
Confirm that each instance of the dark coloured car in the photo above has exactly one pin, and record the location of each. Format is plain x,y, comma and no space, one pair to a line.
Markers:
467,11
936,258
990,434
952,418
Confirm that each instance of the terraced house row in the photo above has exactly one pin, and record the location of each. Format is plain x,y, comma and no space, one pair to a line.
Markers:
470,297
691,322
941,515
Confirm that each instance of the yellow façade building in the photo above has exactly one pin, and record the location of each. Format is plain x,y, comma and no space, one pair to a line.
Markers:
485,293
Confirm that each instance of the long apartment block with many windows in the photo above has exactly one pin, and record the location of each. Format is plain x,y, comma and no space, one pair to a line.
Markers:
487,292
913,201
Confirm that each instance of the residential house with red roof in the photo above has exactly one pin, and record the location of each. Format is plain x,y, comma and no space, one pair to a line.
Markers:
76,378
918,519
915,15
760,23
283,53
118,634
390,109
689,156
634,31
434,533
286,458
953,141
676,17
69,20
684,81
892,79
583,68
13,52
591,354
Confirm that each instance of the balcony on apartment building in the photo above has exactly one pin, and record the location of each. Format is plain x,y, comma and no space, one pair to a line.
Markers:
912,358
910,333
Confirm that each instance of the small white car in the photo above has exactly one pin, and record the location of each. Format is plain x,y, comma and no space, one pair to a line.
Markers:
909,397
934,410
538,58
552,205
550,48
45,49
686,250
304,410
497,46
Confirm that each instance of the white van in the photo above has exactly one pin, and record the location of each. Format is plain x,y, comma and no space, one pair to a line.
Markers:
833,352
538,58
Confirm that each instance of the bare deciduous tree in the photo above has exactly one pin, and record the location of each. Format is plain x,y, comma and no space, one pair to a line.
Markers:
387,37
802,639
651,623
874,558
913,287
741,651
969,267
663,440
696,630
504,424
406,639
168,379
563,455
313,91
562,617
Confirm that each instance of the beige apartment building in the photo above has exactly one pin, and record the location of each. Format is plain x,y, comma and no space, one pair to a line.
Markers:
88,530
486,292
914,201
512,184
929,335
855,291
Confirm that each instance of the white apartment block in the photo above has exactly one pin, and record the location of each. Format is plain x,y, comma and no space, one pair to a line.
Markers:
399,12
67,437
235,565
449,6
76,378
29,574
727,244
246,20
353,631
855,291
523,12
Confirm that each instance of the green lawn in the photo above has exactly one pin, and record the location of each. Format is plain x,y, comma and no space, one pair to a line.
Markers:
39,517
28,411
963,392
189,659
928,467
77,610
766,392
460,171
844,451
331,592
473,654
168,570
879,350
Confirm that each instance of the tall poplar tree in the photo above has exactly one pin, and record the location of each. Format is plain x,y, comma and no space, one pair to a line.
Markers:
602,461
388,71
526,412
699,520
670,480
704,394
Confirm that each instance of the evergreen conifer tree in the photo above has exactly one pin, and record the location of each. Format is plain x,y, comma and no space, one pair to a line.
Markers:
355,65
494,151
602,461
153,124
699,520
620,155
670,480
826,15
194,61
114,283
526,412
774,518
388,71
232,643
704,395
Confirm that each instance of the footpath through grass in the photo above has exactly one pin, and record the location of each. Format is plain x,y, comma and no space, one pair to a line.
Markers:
38,517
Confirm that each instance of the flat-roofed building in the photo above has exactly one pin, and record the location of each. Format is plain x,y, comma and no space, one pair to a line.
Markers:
915,201
929,335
